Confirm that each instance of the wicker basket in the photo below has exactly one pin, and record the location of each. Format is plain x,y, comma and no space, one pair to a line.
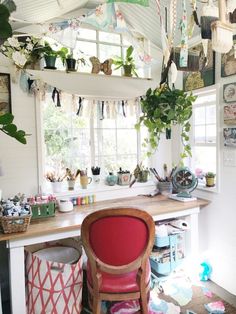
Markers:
15,224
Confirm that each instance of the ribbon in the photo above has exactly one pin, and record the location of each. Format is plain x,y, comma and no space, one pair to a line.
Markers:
56,93
80,106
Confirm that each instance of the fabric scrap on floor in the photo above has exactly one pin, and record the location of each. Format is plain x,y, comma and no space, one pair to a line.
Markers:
215,307
207,292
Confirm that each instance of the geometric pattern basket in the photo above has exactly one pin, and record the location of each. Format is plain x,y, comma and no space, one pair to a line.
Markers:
53,287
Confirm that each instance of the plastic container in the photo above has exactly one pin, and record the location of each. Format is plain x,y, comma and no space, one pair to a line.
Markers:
43,210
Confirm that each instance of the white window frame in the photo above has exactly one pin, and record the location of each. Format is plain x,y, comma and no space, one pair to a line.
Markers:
201,92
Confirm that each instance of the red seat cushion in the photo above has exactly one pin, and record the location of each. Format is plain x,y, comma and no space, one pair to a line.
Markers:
119,283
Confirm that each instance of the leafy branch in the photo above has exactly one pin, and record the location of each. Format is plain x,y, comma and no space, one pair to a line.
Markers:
10,129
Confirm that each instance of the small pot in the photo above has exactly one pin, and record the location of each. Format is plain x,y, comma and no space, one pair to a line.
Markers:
50,62
111,179
71,185
210,182
143,176
127,70
70,64
165,188
57,186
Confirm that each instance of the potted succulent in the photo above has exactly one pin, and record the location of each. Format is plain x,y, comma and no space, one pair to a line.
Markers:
210,179
127,64
162,108
71,178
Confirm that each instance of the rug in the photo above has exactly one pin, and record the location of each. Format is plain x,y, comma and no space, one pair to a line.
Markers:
177,294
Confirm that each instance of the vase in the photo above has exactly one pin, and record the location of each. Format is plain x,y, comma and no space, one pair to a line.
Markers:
165,188
57,186
71,185
127,70
50,62
70,64
143,176
111,179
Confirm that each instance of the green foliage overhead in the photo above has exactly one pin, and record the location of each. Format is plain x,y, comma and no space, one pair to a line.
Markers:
8,127
162,108
5,27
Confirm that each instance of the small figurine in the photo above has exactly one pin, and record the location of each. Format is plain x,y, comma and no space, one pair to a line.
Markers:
105,67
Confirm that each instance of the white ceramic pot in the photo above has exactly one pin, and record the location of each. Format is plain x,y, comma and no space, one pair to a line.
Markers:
65,205
57,186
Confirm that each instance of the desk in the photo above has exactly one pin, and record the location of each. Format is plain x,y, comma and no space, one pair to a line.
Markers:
66,225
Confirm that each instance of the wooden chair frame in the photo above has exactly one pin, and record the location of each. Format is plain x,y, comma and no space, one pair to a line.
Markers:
139,264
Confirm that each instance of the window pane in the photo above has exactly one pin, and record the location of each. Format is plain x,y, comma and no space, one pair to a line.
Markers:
108,123
211,133
85,50
205,99
127,142
127,162
126,122
109,37
204,158
210,114
199,115
87,34
108,142
199,134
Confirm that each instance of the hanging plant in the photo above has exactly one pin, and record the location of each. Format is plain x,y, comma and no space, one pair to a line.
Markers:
5,28
162,108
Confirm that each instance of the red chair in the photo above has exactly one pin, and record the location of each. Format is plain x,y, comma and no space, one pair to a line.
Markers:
118,242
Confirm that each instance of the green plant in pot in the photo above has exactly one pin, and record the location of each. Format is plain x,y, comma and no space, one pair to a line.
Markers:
161,109
70,62
127,64
50,55
210,179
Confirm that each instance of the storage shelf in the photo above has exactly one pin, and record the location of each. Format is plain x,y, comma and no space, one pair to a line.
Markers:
94,85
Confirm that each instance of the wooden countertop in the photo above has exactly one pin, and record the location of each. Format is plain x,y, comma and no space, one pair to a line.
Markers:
157,205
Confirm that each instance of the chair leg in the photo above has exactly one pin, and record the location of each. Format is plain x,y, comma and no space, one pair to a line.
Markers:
144,302
96,305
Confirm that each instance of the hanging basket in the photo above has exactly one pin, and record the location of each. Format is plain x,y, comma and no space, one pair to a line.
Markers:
196,60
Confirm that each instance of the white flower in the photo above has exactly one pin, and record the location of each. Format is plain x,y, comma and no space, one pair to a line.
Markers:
14,42
3,48
19,58
29,46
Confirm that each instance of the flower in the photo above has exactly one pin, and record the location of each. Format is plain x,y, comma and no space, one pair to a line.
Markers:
14,42
21,52
19,58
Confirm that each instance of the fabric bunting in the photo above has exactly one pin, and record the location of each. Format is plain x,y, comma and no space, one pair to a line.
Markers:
183,59
144,3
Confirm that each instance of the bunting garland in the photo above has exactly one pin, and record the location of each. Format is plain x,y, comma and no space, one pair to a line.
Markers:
144,3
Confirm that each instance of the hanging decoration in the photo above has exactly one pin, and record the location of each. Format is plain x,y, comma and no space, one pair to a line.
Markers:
222,31
56,96
210,13
105,67
183,59
144,3
193,19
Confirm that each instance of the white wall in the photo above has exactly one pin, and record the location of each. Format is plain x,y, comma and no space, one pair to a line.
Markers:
217,221
18,161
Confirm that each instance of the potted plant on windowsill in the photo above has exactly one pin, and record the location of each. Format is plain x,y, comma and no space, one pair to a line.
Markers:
127,64
210,179
50,55
161,109
71,178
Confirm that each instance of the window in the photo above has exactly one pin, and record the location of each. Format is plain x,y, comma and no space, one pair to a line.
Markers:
102,45
204,133
83,141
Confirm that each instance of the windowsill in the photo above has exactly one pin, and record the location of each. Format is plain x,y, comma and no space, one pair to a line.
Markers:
103,191
204,188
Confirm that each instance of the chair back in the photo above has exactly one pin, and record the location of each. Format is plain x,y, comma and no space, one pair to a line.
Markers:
118,236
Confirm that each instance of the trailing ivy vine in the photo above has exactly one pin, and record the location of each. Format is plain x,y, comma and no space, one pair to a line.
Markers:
9,128
161,109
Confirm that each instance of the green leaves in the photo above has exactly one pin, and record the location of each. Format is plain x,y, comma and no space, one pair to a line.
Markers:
128,61
162,108
10,129
5,27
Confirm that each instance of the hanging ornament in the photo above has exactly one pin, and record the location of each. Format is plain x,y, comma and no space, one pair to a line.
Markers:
222,31
183,59
210,13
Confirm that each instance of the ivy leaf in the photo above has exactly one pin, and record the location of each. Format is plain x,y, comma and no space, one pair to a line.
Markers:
5,29
6,118
4,12
10,128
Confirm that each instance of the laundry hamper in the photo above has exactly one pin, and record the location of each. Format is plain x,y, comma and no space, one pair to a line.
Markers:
54,282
